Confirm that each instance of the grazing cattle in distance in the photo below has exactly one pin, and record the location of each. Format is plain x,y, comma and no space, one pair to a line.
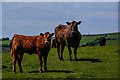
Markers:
39,45
67,35
53,43
102,41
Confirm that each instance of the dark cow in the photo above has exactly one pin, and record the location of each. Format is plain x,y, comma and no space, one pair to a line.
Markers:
67,35
53,43
102,41
30,44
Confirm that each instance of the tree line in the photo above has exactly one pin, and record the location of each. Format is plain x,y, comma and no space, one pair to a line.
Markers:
3,39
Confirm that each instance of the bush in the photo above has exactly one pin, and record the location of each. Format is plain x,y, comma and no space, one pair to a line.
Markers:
3,39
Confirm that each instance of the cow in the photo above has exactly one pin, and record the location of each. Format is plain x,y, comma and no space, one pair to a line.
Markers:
67,35
39,45
53,43
102,41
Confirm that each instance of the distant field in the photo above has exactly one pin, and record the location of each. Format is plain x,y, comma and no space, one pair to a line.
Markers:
5,43
84,40
88,39
93,62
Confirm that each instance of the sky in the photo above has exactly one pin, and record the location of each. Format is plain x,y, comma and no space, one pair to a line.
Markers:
60,0
33,18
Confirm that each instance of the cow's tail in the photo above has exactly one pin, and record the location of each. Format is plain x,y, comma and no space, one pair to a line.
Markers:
11,54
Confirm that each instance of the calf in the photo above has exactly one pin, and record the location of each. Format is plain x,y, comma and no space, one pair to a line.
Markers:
30,44
102,41
67,35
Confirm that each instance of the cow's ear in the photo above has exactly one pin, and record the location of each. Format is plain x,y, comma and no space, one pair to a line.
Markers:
51,34
79,22
68,23
41,34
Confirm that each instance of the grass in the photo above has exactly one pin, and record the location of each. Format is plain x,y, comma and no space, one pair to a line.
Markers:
93,62
0,65
7,42
87,39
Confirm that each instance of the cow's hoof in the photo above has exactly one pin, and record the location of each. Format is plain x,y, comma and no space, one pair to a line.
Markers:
41,71
62,59
75,59
14,72
70,60
21,71
59,59
46,70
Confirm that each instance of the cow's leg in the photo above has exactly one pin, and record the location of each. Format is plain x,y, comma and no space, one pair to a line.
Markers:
20,56
14,62
69,48
14,65
58,50
62,48
40,62
75,50
45,62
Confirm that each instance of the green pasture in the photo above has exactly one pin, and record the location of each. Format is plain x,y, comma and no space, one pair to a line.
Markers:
93,62
7,42
0,65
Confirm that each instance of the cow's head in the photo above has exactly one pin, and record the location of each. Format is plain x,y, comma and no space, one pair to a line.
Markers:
47,38
73,26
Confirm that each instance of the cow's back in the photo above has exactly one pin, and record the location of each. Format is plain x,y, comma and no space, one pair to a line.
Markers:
61,33
25,43
60,27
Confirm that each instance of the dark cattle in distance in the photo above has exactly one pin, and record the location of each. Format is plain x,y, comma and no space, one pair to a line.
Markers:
39,45
53,43
102,41
67,35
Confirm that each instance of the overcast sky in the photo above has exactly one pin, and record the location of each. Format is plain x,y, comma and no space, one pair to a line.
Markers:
32,18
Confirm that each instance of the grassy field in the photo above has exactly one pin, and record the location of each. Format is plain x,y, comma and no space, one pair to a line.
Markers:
93,62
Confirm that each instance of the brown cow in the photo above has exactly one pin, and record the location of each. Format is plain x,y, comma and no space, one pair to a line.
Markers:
30,44
67,35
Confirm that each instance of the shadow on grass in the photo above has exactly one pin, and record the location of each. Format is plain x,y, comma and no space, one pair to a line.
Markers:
118,51
92,60
4,66
64,71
